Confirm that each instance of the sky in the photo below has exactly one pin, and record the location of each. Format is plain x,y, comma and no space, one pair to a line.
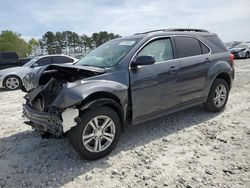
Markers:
230,19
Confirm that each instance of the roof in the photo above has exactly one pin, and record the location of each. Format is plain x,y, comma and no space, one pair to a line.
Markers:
173,31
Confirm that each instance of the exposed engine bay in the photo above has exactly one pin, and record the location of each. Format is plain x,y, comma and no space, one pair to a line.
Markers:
55,79
52,81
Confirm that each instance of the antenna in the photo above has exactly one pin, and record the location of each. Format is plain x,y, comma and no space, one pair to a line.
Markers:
189,24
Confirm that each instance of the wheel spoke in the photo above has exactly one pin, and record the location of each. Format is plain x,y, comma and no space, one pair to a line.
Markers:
87,140
105,123
96,122
88,136
108,139
93,125
108,134
96,144
223,96
100,144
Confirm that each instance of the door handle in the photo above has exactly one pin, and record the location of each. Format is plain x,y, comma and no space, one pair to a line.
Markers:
207,60
173,69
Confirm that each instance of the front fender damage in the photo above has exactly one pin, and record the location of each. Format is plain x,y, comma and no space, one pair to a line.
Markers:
64,101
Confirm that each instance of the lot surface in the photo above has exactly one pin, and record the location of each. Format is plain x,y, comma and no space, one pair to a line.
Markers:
191,148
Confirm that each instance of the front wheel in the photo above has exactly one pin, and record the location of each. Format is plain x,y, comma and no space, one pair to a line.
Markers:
97,134
218,95
12,82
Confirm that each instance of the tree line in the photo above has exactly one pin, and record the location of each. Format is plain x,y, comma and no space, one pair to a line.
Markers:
53,42
71,42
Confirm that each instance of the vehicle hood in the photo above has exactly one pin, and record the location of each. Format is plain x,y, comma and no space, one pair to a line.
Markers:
237,49
14,70
66,72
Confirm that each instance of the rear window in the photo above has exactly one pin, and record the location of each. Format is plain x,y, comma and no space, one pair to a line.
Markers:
187,46
9,56
217,42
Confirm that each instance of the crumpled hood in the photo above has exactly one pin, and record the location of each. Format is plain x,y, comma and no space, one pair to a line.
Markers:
31,80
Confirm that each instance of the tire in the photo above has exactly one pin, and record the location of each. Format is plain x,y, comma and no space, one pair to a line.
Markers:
12,82
215,102
247,55
86,147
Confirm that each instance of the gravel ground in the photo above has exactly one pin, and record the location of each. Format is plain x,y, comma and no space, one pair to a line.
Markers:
191,148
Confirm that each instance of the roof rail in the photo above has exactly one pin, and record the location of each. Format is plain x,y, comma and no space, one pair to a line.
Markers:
173,30
188,29
150,31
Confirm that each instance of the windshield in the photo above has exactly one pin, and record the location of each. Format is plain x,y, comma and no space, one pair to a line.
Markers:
241,46
108,54
30,62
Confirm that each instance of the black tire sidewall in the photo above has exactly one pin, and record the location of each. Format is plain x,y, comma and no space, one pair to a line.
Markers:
247,55
75,134
12,76
210,105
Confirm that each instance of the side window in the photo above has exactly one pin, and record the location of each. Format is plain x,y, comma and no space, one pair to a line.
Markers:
44,61
61,59
187,46
205,50
160,49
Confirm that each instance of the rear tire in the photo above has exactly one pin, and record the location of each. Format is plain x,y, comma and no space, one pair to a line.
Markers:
12,82
218,96
91,138
247,55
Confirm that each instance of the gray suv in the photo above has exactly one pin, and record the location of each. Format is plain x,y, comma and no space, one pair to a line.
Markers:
128,81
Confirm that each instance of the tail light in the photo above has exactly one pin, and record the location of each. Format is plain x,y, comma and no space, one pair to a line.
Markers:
231,58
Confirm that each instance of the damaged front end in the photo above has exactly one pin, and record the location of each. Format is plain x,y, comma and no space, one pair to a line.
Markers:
52,106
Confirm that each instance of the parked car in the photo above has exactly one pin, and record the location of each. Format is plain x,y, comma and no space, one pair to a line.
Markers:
241,50
11,59
12,78
128,81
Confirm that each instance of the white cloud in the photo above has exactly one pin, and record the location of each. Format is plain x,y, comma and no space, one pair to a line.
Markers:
229,19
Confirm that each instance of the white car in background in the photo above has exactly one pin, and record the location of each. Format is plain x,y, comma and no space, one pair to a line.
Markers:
241,50
11,78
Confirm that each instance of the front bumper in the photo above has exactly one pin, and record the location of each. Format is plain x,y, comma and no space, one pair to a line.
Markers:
46,122
238,54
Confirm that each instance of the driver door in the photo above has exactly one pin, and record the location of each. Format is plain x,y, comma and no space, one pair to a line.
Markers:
154,88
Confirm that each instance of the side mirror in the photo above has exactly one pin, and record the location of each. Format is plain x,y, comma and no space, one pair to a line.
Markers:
34,65
143,60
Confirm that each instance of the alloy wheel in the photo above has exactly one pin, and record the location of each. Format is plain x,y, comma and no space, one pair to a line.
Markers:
220,95
99,133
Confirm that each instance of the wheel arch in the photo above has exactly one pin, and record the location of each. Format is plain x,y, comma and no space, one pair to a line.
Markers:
225,76
103,98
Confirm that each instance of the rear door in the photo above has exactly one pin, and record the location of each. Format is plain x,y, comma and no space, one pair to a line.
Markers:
194,57
154,87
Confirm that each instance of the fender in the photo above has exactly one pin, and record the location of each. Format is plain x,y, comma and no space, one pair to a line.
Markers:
75,93
106,101
215,70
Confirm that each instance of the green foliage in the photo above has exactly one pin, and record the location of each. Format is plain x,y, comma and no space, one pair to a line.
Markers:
72,42
54,43
33,46
11,41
